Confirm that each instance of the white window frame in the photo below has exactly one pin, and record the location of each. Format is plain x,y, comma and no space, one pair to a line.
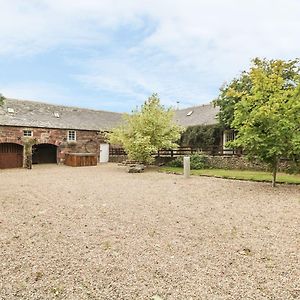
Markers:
27,133
71,137
228,136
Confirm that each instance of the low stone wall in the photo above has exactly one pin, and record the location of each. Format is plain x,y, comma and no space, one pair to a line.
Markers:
220,162
239,163
242,163
117,158
234,162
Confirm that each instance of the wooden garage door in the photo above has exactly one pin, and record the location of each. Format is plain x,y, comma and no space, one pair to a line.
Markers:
11,155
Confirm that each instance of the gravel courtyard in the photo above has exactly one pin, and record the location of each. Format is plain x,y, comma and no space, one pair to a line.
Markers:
101,233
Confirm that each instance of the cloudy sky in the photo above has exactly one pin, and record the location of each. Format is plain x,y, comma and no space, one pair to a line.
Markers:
113,54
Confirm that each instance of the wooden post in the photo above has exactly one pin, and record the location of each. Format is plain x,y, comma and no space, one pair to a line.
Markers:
187,167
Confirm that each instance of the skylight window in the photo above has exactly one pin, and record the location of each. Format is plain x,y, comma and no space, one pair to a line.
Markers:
189,113
56,115
10,110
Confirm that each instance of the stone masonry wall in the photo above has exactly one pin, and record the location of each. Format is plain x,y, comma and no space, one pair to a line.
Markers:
242,163
86,141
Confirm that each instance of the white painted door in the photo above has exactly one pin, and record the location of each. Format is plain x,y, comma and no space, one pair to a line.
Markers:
104,153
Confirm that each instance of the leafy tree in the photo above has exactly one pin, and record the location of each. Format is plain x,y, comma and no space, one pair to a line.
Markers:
230,94
267,117
201,136
146,131
1,99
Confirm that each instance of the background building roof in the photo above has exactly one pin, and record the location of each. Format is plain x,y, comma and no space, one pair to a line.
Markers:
36,114
197,115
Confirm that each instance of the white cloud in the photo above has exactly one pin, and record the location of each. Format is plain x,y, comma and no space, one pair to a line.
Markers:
35,91
194,46
183,26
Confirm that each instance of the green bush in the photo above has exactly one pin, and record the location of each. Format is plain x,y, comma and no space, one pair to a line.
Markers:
176,163
294,168
197,161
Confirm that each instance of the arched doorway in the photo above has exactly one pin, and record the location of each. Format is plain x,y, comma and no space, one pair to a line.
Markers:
44,154
11,155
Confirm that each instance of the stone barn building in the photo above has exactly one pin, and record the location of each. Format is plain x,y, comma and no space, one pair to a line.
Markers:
49,131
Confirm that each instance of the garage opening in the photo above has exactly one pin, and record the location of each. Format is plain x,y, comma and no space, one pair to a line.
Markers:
11,155
44,154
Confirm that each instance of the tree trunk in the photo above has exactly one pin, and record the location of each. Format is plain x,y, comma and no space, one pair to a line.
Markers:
275,165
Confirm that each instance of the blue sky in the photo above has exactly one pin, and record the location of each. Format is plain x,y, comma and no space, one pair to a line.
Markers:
112,55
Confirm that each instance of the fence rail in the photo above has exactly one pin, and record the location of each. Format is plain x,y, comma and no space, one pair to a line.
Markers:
116,151
182,151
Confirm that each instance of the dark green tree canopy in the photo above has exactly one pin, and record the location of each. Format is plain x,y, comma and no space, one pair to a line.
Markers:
201,136
2,98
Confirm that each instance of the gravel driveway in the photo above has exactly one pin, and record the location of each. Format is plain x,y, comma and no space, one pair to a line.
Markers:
101,233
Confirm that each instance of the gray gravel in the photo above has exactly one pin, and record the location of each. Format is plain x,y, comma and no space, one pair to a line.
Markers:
101,233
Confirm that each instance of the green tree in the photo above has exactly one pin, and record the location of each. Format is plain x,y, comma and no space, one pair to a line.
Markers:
146,131
202,136
1,99
267,118
230,95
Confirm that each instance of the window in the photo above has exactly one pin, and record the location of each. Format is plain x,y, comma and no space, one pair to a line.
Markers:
71,135
27,133
189,113
228,136
56,114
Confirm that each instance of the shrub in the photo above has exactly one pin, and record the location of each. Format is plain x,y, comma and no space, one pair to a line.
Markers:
176,163
294,168
197,161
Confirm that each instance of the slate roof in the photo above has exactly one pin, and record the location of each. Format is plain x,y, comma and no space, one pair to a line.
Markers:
43,115
197,115
37,114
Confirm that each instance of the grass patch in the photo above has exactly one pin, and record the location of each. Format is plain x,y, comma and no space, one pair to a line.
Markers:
239,174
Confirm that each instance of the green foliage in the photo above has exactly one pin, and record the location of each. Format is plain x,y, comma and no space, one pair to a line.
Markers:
2,98
201,136
146,131
294,168
197,162
230,95
233,92
267,117
176,163
28,143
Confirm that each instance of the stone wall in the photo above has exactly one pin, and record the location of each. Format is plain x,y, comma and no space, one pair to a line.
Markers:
86,140
234,162
117,158
242,163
